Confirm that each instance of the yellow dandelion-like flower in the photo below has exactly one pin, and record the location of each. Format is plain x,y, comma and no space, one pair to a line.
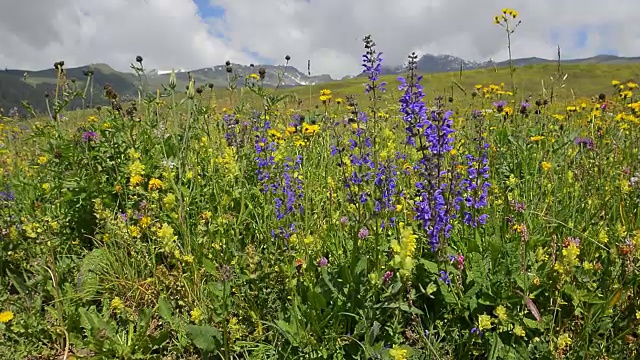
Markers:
6,316
546,166
135,181
155,184
536,138
309,129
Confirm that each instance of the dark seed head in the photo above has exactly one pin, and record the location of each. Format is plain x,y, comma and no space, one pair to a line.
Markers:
229,69
262,72
450,99
210,85
602,97
228,63
251,65
199,90
139,59
538,102
287,57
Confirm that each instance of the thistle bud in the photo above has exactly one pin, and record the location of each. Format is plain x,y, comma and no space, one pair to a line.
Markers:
191,89
172,80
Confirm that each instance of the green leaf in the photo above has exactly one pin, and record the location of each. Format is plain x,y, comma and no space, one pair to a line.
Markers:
164,308
430,266
209,266
205,338
532,324
317,300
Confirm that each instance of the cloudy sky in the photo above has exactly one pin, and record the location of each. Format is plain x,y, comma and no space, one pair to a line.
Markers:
199,33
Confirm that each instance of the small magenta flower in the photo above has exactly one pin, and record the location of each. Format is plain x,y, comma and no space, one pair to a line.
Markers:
387,276
323,262
460,259
344,220
363,233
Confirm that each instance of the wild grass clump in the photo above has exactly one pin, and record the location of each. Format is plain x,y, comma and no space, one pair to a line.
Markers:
382,226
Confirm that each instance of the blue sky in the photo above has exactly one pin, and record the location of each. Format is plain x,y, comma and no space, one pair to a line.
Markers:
209,11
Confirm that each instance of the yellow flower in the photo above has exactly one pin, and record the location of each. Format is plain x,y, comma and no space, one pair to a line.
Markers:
145,221
169,201
133,154
155,184
42,160
563,341
325,95
135,181
602,236
398,353
254,76
136,169
309,129
546,166
615,82
339,101
536,138
484,322
196,315
117,304
6,316
518,331
134,231
501,312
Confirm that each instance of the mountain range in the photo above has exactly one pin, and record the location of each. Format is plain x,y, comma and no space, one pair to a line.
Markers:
30,86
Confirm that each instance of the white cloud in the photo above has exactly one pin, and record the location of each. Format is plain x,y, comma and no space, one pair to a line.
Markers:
332,29
170,33
167,33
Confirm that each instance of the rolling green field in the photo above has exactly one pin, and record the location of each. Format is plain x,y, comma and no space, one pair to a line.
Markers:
352,220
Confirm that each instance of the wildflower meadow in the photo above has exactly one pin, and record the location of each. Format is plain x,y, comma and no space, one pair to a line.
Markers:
398,222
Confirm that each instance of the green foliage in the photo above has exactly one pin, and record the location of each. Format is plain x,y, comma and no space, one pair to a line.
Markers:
147,233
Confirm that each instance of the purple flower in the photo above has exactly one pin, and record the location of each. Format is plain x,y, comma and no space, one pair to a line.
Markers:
323,262
444,277
387,276
363,233
7,196
584,141
499,105
88,136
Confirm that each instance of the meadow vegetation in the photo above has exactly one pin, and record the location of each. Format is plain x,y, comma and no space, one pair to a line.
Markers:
496,217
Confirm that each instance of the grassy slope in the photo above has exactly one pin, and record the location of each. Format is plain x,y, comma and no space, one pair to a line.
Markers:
585,80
